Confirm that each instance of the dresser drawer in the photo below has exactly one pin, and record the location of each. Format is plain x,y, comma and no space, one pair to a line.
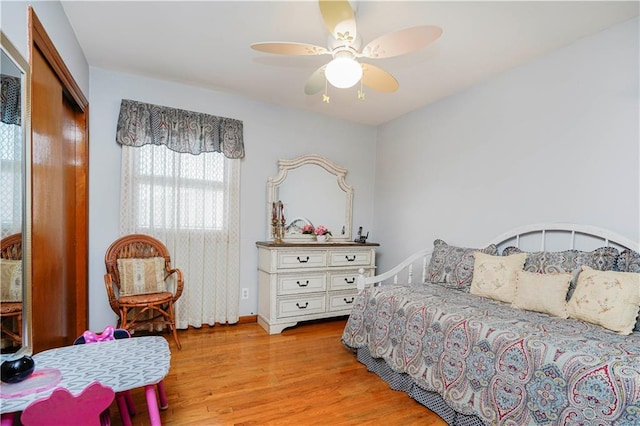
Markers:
301,283
344,280
302,259
350,258
292,307
341,302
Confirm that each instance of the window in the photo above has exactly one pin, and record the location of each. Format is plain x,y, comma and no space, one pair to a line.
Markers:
197,202
191,204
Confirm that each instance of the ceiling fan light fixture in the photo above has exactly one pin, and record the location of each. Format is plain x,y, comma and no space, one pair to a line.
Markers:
343,72
345,45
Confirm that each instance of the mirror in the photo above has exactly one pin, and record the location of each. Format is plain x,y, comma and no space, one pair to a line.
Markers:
15,201
313,191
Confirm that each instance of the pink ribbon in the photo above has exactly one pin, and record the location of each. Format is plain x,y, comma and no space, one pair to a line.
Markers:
91,337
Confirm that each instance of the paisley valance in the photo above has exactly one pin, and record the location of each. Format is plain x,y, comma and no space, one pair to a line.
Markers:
10,111
180,130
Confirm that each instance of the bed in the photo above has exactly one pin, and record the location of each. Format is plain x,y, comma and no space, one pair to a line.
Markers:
474,360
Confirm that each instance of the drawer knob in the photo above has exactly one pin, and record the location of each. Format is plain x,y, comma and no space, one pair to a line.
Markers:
302,307
350,259
302,285
303,260
350,281
348,302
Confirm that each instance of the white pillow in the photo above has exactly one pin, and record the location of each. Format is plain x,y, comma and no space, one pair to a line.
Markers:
495,276
608,298
544,293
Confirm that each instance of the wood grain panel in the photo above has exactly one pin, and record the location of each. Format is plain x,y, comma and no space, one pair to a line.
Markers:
80,171
59,194
48,232
240,375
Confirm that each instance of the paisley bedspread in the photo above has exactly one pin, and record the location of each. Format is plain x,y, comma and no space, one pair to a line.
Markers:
504,365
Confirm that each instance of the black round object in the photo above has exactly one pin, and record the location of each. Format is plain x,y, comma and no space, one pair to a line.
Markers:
16,370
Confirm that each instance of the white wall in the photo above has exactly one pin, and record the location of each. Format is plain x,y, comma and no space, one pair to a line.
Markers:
270,133
13,20
553,140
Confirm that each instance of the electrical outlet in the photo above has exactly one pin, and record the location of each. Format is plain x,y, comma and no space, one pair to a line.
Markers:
245,293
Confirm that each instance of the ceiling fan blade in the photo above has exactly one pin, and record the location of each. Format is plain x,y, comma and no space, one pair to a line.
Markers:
287,48
378,79
339,18
316,82
401,42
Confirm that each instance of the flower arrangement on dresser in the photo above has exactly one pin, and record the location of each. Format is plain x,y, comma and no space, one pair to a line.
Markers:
321,232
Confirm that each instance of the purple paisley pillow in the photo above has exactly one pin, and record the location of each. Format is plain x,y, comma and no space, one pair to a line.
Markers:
452,266
556,262
629,261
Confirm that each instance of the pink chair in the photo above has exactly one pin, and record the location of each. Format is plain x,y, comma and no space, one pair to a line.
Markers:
123,399
89,408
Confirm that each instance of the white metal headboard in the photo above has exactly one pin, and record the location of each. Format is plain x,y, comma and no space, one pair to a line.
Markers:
607,238
541,231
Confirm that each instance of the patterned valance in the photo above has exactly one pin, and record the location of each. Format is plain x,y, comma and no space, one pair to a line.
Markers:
10,110
180,130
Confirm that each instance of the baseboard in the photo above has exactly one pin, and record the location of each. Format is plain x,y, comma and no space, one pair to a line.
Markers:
241,320
247,319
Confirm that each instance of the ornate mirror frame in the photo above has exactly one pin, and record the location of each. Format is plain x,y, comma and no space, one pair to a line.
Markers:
9,50
285,166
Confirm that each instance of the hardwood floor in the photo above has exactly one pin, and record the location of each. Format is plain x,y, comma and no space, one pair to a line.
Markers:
240,375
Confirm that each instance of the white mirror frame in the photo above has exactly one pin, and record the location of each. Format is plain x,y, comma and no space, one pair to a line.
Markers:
23,65
284,166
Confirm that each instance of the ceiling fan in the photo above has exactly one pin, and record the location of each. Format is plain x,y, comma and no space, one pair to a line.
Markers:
345,46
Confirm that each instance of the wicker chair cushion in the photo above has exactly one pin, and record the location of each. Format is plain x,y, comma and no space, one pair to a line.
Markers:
141,276
154,298
10,280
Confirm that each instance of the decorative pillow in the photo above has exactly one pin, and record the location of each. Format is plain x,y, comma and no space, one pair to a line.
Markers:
554,262
10,280
607,298
629,261
544,293
141,276
452,266
508,251
495,276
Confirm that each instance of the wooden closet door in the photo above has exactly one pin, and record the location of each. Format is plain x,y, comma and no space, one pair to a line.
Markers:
59,201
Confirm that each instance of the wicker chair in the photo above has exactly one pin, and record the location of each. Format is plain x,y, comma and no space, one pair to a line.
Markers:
11,312
141,310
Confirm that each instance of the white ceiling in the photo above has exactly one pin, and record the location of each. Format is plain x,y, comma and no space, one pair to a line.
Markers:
206,44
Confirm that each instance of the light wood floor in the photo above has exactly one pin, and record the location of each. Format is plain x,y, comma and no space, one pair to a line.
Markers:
240,375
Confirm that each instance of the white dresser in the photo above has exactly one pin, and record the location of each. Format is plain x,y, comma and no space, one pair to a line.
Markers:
307,281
